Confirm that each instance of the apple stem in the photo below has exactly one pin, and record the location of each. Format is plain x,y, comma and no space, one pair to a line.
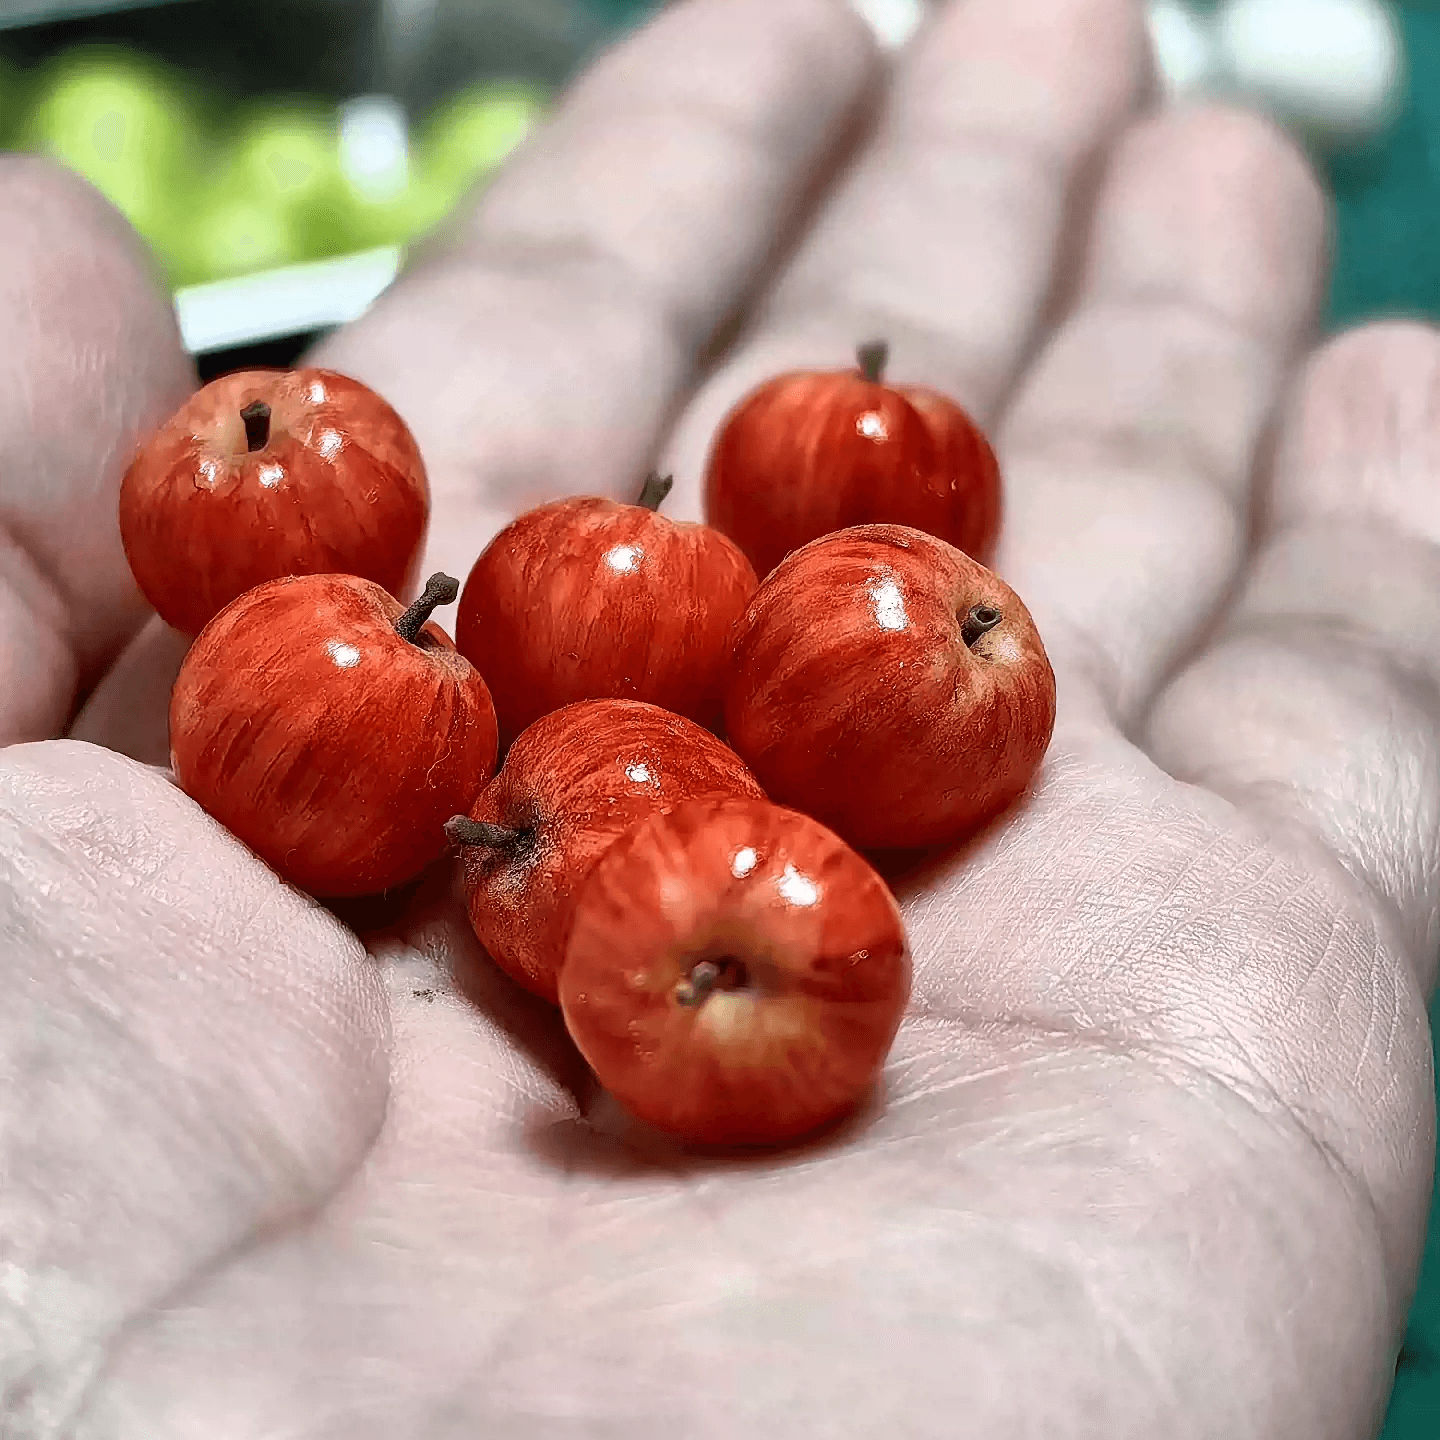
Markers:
440,589
707,976
462,830
256,416
873,359
701,981
657,487
978,621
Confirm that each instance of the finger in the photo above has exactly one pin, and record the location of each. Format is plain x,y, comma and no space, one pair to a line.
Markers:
91,360
441,1240
190,1052
129,710
944,239
538,351
1129,451
1316,704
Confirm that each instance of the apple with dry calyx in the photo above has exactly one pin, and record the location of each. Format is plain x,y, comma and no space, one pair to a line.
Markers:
735,972
891,686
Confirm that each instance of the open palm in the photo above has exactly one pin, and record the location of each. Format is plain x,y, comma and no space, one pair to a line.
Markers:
1153,1150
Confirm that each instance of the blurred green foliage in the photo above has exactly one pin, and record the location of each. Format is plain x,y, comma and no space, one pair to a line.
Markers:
219,188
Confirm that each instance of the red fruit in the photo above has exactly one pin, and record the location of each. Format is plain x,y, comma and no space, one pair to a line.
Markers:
571,783
589,599
891,686
811,452
267,473
735,973
332,731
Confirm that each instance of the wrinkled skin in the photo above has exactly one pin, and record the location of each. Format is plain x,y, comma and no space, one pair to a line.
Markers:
1154,1152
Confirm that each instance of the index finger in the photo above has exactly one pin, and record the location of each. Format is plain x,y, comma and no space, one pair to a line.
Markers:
539,350
90,358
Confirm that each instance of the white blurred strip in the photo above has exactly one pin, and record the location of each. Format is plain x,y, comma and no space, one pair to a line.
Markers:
1335,66
226,313
16,13
893,21
1186,54
375,147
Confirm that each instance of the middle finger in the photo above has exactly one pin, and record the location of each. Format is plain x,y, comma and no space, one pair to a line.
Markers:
944,240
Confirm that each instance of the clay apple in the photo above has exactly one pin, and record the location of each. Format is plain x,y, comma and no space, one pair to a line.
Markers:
586,599
815,451
735,973
571,783
892,687
263,474
332,730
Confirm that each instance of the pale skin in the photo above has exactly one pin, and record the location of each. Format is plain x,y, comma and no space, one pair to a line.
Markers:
1153,1151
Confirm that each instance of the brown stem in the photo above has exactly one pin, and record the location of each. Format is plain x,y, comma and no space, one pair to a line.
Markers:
873,359
440,589
978,621
657,487
256,416
700,982
707,976
462,830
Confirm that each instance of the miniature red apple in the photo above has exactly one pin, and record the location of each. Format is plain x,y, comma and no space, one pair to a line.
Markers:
332,730
735,973
811,452
571,783
587,599
263,474
892,687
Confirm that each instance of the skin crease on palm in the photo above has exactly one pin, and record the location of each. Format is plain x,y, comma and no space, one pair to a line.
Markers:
1154,1147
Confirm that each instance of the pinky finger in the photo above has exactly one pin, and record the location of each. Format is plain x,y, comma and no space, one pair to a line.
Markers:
1317,702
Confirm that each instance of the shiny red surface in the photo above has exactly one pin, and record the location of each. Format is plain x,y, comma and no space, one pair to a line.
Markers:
854,697
339,487
811,452
590,599
574,781
826,973
335,749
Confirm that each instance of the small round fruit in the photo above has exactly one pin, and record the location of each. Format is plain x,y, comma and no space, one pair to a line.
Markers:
332,730
891,686
570,784
268,473
735,973
588,599
814,451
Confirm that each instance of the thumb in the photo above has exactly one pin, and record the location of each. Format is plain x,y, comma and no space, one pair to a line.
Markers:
190,1053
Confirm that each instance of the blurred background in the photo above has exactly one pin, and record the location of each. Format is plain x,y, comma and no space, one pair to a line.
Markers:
244,141
279,155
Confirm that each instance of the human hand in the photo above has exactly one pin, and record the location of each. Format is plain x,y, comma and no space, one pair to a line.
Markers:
1154,1148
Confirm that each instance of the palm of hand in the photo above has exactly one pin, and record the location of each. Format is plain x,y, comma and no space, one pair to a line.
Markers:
1155,1138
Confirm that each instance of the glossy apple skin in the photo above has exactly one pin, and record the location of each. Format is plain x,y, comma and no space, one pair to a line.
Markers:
573,781
339,487
853,695
335,749
589,599
810,452
826,973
